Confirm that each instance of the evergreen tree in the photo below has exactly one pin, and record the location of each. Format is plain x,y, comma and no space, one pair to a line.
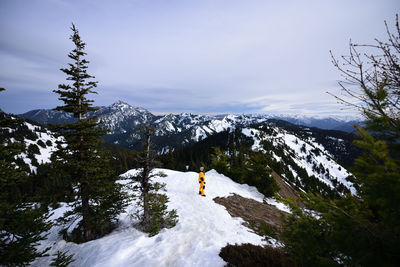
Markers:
152,213
219,161
247,167
98,197
62,259
22,222
362,229
259,174
372,84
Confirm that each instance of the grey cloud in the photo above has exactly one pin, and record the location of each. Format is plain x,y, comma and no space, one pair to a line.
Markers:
205,56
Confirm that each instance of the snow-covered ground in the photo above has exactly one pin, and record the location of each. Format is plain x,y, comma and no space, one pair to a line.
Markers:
204,227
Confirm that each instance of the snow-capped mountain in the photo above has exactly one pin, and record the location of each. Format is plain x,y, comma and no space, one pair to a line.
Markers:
176,130
120,117
172,130
327,123
172,123
300,158
323,155
48,116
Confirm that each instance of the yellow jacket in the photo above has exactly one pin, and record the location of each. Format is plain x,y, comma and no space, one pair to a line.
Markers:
202,178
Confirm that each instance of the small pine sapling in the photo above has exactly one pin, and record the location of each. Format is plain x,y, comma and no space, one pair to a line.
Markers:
152,212
62,259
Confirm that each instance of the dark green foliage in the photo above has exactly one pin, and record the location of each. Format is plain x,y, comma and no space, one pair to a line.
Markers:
22,222
199,154
98,199
101,197
268,231
62,259
359,229
152,212
49,143
255,256
347,229
20,131
372,81
22,227
247,167
42,144
33,149
309,238
52,184
122,159
74,96
259,175
303,148
220,161
160,217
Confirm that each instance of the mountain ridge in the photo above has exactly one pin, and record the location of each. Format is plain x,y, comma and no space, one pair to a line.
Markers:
319,121
124,121
295,153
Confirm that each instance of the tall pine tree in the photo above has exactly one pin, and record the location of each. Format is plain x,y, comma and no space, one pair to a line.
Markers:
98,198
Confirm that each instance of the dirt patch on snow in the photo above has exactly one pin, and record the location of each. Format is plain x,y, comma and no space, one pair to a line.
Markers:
285,190
251,211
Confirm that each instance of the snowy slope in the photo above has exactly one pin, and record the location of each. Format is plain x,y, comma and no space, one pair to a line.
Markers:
308,154
217,125
50,145
32,136
204,227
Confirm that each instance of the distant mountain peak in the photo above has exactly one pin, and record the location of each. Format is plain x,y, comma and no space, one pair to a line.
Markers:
123,106
120,103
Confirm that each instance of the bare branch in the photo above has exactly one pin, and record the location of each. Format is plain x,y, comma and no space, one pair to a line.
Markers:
372,79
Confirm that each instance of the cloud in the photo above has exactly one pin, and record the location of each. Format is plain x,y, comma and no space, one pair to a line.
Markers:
200,56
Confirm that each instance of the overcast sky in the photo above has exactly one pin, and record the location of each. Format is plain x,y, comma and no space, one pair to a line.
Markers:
216,56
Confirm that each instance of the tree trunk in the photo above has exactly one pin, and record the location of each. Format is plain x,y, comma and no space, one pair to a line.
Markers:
145,185
146,209
87,233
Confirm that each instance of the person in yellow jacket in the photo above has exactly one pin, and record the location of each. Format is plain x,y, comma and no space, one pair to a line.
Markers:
202,182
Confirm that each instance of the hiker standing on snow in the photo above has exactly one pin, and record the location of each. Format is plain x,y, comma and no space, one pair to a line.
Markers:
202,182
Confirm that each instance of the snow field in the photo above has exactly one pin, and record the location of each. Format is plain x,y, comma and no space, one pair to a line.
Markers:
44,152
335,170
204,227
